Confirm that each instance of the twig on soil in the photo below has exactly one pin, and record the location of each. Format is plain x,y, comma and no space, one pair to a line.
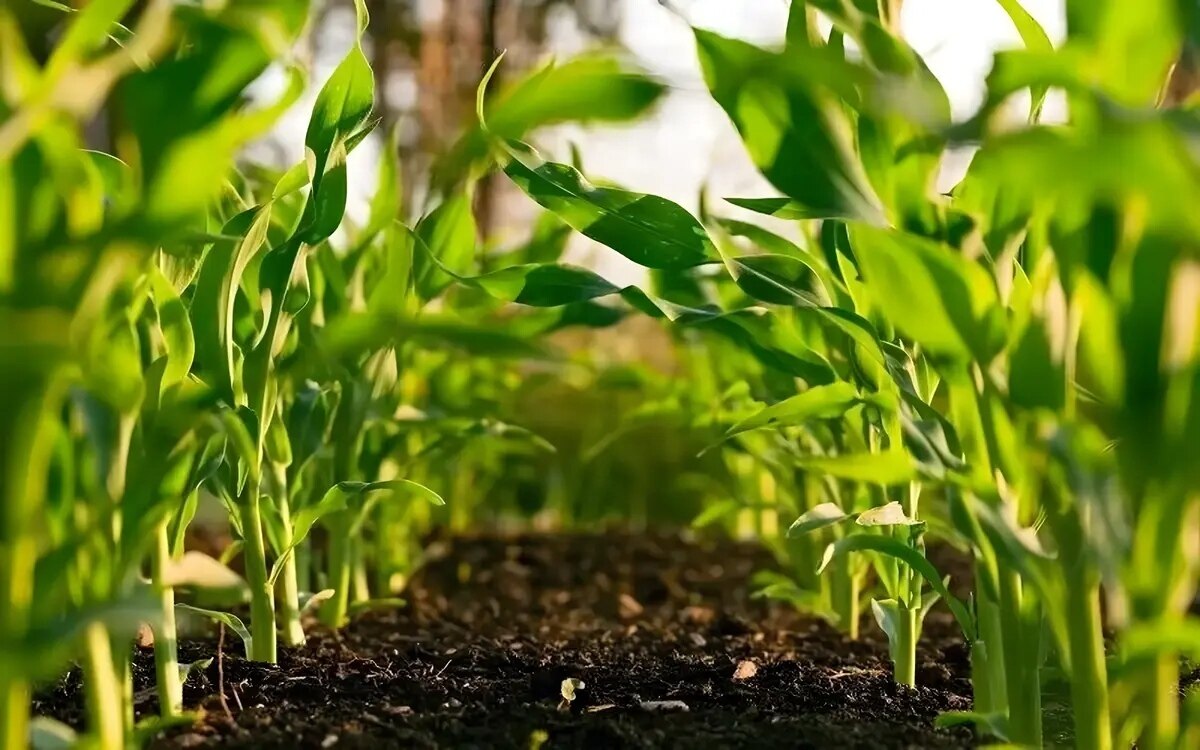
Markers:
221,671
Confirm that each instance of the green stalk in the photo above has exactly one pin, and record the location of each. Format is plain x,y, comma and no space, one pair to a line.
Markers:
987,673
904,650
17,560
102,690
1021,627
262,595
334,611
166,654
288,585
981,679
1089,679
27,433
360,585
1160,690
844,596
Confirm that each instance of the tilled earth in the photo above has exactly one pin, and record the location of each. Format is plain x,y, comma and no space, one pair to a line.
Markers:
662,630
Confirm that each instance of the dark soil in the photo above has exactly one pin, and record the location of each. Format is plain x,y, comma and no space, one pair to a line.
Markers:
494,625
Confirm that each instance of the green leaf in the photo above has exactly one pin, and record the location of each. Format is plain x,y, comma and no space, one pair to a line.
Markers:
649,230
353,335
233,622
46,733
449,235
994,724
1036,378
817,517
212,308
944,302
1129,46
791,122
175,326
891,547
343,105
1036,41
372,491
891,514
820,402
888,467
786,208
588,88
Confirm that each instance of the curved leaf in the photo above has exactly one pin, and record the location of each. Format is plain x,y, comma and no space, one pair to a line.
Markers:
891,547
649,230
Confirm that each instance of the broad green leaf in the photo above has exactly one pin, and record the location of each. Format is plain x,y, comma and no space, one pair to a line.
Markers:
820,402
449,235
357,334
891,514
786,208
830,290
343,106
1036,377
46,733
891,547
888,467
944,302
817,517
588,88
1130,46
372,491
792,123
398,250
649,230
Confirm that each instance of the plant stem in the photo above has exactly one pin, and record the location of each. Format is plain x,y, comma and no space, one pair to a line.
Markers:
288,586
1161,691
844,596
1021,632
102,689
17,559
360,585
166,655
987,674
333,612
904,652
1089,679
262,595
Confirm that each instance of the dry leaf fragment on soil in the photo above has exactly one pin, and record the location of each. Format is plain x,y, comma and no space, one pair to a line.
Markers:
745,670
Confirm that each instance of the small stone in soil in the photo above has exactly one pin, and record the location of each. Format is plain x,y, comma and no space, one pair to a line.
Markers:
657,706
629,607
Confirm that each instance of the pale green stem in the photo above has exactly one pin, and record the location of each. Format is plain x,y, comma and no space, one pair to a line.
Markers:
987,674
262,595
904,650
1022,634
1089,678
166,655
103,690
333,612
17,560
